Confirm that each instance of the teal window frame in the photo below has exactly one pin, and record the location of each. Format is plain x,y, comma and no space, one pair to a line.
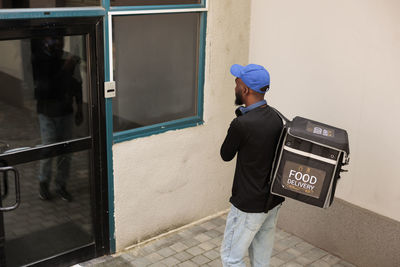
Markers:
173,124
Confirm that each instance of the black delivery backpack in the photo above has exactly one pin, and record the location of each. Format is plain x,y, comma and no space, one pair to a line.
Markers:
308,161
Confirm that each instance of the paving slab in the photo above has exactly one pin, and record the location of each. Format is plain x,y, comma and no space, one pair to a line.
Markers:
199,245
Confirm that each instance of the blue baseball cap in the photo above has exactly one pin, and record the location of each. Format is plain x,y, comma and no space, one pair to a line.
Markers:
253,75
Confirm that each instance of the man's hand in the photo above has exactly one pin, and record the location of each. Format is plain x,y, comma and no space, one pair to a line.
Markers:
70,63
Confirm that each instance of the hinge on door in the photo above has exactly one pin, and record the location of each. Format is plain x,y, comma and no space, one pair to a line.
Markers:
109,89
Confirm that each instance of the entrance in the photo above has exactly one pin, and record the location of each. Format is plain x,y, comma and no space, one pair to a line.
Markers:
53,177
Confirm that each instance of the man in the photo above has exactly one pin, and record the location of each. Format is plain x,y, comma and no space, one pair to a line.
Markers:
253,135
57,84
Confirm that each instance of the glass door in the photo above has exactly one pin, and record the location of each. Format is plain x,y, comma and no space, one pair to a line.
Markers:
53,209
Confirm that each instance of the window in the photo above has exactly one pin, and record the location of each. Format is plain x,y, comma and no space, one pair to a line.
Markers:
47,3
155,68
152,2
158,62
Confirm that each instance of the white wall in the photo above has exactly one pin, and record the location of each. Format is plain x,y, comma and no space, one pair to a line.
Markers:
171,179
338,62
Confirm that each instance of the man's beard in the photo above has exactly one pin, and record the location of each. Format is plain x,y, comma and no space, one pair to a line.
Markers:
238,100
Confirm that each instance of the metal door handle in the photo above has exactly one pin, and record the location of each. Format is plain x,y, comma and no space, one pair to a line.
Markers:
5,186
17,189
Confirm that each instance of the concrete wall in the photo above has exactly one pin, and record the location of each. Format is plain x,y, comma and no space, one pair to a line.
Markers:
171,179
357,235
338,62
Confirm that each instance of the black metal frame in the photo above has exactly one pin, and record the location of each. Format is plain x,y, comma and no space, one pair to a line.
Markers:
92,27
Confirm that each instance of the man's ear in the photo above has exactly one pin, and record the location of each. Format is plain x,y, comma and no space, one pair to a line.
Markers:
246,90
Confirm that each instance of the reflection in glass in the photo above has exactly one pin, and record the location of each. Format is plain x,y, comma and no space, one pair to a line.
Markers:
152,2
57,81
156,66
47,3
43,228
43,91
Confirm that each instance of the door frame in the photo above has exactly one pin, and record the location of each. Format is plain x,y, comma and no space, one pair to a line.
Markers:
93,27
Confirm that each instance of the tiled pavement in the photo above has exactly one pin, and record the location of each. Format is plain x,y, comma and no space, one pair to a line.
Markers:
199,245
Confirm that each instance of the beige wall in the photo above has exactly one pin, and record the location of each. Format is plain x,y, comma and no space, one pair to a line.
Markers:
339,62
171,179
11,62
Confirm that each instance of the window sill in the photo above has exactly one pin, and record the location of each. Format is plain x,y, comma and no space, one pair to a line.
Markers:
123,136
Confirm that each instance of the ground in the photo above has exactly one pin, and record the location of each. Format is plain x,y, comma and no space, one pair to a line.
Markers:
199,245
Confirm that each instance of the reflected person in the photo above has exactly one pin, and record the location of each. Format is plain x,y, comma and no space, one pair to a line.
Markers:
58,83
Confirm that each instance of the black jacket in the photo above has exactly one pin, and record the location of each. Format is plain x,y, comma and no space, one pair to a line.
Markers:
56,84
254,137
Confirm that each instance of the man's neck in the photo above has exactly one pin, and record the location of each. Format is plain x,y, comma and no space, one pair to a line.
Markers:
252,101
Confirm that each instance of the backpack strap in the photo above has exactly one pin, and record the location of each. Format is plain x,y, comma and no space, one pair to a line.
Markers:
283,118
273,167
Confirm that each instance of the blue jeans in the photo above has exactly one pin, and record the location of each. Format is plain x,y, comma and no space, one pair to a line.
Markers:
252,232
52,130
